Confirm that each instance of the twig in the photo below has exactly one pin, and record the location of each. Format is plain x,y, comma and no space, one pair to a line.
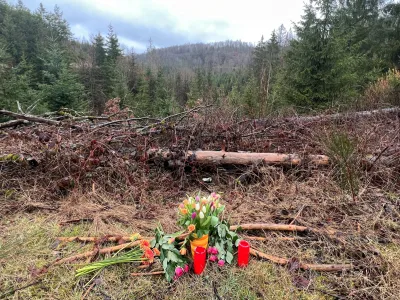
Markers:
12,292
88,290
263,239
298,214
75,221
148,274
377,158
125,120
315,267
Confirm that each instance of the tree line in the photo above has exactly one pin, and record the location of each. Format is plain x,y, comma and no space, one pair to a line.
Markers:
338,50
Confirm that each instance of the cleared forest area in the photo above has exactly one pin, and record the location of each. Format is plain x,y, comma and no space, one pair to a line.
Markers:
106,177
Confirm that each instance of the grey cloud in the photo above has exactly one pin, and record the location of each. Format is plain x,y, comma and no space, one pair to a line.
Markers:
96,22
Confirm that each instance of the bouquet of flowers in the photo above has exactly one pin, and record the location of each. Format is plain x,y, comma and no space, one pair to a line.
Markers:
199,214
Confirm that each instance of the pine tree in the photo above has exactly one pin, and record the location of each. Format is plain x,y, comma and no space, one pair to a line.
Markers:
113,48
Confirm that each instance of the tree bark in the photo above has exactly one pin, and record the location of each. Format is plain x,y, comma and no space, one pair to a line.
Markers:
222,157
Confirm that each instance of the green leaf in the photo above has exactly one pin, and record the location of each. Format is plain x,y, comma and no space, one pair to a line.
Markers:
214,221
152,243
187,223
237,242
172,256
165,264
206,222
229,257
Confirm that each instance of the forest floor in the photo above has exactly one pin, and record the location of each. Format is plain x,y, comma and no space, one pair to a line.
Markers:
114,189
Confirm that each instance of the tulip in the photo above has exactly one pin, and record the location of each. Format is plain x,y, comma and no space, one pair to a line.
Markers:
213,250
186,268
197,206
197,198
214,195
194,215
213,258
201,215
178,272
183,251
204,209
171,240
221,263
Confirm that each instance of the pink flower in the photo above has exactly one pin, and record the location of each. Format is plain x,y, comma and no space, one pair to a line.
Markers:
186,268
221,263
213,258
194,215
178,272
212,250
214,195
197,198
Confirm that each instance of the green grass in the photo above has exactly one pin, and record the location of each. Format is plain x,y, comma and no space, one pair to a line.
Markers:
28,243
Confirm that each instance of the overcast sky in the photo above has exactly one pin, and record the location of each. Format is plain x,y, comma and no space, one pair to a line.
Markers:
174,22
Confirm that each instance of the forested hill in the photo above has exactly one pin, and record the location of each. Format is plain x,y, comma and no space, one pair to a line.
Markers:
219,57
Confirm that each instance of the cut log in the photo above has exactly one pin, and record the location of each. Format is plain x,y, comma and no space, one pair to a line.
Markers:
235,158
277,227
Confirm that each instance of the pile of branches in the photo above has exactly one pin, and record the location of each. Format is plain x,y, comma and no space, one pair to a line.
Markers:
66,150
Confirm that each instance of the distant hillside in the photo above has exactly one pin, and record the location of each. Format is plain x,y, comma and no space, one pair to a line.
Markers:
220,56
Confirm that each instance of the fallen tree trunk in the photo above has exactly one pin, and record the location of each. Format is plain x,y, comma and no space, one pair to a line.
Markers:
314,267
13,123
236,158
29,117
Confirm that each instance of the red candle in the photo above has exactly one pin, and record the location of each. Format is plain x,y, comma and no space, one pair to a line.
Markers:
199,260
243,254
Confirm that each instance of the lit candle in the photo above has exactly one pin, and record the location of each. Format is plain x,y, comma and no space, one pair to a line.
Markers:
199,260
243,254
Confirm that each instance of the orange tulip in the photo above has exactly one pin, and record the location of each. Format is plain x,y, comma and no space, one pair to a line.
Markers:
184,211
183,251
191,227
156,252
185,201
144,244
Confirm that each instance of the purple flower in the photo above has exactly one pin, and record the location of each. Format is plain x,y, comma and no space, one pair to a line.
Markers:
221,263
214,195
197,198
194,215
213,258
178,272
186,268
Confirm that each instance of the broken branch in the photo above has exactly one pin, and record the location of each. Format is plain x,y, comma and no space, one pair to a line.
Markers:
314,267
148,274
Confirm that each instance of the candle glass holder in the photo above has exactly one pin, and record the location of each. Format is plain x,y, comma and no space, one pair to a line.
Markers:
243,254
199,260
